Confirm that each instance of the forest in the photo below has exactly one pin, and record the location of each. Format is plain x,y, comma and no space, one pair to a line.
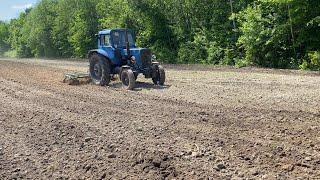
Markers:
263,33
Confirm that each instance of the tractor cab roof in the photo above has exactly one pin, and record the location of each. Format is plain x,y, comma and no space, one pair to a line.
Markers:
108,31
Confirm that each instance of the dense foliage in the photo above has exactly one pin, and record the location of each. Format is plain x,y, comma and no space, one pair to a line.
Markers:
269,33
4,35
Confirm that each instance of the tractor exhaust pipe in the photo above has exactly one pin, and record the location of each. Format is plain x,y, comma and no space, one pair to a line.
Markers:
127,44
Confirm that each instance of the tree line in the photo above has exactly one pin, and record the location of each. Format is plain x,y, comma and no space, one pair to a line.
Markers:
267,33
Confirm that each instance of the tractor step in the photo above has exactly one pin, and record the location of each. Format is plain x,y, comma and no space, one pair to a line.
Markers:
74,78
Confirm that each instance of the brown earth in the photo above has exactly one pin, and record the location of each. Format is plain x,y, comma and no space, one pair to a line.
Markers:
206,123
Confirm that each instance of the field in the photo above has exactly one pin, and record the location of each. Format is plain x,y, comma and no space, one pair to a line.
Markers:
206,123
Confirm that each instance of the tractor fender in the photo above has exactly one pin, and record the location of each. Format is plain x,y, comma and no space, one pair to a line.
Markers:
98,51
125,67
120,69
91,52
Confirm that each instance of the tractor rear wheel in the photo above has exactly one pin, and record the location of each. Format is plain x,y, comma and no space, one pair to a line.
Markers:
160,76
99,69
128,79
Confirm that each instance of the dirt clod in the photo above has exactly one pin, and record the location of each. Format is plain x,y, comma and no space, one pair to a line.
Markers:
221,166
112,156
308,158
288,167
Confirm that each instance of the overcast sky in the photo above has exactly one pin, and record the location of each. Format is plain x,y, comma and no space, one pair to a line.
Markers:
11,8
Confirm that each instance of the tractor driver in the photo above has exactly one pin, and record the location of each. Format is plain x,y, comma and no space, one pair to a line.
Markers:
116,39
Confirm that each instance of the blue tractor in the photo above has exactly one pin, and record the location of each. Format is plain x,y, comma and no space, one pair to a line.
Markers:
117,53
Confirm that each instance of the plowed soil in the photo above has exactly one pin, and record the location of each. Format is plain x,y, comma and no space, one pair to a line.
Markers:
206,123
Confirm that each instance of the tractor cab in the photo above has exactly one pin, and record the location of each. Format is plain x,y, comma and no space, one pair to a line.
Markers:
118,53
114,43
115,38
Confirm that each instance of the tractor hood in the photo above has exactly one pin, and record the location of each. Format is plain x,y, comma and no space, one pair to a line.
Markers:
136,50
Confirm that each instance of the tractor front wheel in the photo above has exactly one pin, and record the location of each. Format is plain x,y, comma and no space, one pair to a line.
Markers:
128,79
99,69
159,76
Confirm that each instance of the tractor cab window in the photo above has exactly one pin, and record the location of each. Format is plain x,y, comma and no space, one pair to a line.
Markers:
116,39
105,40
119,39
130,39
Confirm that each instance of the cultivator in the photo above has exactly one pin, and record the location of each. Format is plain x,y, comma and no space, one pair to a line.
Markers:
76,78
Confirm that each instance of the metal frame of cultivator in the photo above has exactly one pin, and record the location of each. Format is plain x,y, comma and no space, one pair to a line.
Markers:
75,78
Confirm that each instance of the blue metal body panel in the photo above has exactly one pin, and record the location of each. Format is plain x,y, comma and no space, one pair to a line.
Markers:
136,52
109,53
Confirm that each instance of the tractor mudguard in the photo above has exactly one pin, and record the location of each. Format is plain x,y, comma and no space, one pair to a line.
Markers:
98,51
91,52
125,67
119,70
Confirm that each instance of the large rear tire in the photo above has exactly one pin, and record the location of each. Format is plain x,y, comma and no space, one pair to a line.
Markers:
160,76
99,69
128,79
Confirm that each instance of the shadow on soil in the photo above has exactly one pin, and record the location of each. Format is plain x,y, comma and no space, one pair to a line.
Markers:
118,85
140,86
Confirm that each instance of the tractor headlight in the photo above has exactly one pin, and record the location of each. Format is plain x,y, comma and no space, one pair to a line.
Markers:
133,59
154,57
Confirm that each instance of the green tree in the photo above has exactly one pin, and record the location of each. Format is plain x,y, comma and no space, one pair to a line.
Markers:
65,13
82,30
270,33
4,36
279,33
37,29
16,39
